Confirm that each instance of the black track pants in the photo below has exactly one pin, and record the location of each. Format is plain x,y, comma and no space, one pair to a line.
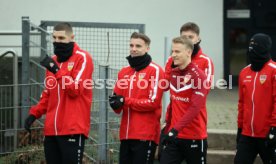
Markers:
64,149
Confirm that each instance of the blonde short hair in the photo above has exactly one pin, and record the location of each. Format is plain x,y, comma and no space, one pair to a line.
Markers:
182,40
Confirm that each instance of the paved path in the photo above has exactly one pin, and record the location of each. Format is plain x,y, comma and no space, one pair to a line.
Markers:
222,109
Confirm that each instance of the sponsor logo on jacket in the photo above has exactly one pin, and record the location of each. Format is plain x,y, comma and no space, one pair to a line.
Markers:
184,99
247,79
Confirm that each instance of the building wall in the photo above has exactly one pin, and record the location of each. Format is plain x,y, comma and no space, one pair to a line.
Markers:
162,18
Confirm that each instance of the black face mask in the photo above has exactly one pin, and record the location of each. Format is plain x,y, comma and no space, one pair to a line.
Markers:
257,60
196,48
258,51
139,62
63,51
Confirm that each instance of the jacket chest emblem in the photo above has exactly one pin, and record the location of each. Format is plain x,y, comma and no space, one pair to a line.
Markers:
187,78
70,66
179,82
141,75
262,78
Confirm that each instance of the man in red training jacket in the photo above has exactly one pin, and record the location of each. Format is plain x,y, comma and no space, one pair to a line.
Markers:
66,100
257,104
187,131
138,94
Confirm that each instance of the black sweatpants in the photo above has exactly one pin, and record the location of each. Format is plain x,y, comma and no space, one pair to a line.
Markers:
248,148
137,152
66,149
273,153
193,151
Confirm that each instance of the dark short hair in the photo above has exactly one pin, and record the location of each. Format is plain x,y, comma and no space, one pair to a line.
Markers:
142,36
64,26
190,26
185,41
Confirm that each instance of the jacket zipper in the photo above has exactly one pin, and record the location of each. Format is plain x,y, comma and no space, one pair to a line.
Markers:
56,131
128,110
253,106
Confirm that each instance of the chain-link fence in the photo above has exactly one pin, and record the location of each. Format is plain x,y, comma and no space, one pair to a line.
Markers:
108,43
16,145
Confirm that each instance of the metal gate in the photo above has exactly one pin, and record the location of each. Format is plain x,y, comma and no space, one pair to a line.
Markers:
109,45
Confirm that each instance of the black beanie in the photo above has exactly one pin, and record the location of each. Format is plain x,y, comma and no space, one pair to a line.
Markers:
261,44
259,51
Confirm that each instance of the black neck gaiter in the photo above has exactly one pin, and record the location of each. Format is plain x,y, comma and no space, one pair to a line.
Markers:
63,51
257,60
196,49
139,62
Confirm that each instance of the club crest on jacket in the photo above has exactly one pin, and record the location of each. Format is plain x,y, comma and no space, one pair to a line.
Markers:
187,78
262,78
70,66
142,75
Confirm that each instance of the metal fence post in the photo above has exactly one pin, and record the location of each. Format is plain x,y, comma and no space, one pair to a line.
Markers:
166,96
15,98
43,50
25,68
102,151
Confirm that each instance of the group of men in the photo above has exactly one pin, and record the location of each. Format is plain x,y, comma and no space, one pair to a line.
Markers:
137,96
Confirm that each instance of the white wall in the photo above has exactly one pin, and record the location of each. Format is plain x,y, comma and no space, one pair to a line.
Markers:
161,17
